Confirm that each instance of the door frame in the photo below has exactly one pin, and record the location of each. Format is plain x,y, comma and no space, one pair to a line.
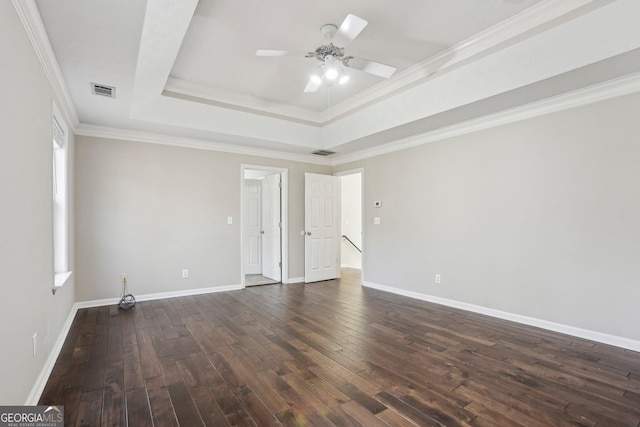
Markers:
364,208
284,217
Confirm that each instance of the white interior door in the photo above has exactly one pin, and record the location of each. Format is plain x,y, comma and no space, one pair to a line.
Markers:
271,225
322,227
253,228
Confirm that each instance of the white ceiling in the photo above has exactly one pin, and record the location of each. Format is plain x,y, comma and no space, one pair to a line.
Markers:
187,68
218,51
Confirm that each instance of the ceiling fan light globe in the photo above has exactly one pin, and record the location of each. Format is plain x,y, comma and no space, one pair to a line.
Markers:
331,73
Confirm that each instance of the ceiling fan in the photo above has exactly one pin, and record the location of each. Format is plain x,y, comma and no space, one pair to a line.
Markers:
332,57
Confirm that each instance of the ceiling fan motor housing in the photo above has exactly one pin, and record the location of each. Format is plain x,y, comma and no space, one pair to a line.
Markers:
330,49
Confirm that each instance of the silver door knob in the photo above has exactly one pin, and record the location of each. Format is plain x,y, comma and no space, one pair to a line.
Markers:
308,233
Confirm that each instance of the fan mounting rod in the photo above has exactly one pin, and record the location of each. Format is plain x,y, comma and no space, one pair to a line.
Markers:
329,30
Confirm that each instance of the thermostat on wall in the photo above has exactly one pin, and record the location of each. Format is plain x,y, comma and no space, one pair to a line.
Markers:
377,204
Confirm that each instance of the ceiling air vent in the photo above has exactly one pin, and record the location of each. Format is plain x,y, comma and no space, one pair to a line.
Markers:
103,90
323,152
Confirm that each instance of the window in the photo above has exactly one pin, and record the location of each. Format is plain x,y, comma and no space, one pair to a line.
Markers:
60,201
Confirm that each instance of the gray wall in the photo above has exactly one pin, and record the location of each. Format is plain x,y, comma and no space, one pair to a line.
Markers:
152,210
539,218
26,242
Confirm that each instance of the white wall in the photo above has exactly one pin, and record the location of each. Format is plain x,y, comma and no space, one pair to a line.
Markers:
351,214
152,210
26,243
539,218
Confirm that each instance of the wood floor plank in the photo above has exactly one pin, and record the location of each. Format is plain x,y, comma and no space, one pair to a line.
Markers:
300,411
332,353
151,367
160,403
395,419
362,416
234,412
183,405
90,409
138,409
324,403
114,406
205,401
421,417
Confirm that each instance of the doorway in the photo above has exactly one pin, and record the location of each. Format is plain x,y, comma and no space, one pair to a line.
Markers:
351,214
264,225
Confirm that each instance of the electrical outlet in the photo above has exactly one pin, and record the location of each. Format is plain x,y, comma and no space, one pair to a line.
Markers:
124,278
185,273
35,343
438,279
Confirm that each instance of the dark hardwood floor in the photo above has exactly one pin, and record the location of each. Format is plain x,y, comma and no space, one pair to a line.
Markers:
332,353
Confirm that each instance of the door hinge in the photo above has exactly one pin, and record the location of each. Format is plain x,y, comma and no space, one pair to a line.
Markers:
280,184
280,224
280,264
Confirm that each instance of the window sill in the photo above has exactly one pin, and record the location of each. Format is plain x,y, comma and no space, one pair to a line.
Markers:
60,279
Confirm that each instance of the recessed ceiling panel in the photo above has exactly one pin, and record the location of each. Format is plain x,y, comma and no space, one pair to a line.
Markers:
218,53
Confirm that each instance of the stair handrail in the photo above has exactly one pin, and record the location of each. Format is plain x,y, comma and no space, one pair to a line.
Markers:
352,244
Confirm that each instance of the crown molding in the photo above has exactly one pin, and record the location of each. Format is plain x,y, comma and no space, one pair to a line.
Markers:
591,94
585,96
201,93
29,15
529,19
156,138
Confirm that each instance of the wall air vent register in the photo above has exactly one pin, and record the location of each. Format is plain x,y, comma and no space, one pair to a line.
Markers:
103,90
323,152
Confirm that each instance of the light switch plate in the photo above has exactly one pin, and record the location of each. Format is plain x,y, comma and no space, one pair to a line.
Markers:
229,220
376,220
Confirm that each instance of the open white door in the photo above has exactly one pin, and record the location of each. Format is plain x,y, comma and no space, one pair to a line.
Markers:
253,227
271,224
322,227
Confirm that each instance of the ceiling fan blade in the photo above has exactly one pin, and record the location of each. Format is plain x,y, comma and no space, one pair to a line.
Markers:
372,67
312,86
349,30
271,52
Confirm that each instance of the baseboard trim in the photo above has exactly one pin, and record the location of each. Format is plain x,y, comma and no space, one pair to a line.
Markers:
600,337
42,379
160,295
296,280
